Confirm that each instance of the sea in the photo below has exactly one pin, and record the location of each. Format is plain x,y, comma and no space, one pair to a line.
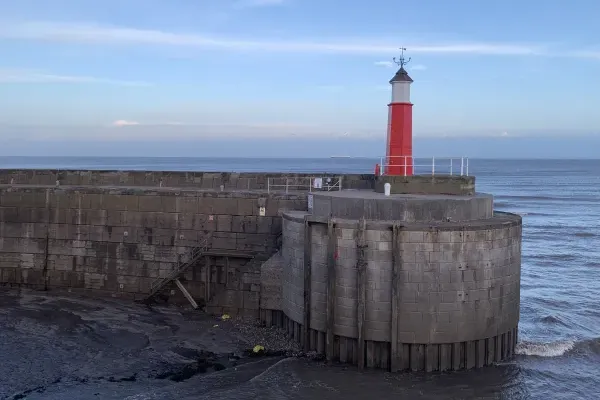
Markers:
558,355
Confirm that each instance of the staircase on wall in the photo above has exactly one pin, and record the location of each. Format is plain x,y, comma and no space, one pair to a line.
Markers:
194,256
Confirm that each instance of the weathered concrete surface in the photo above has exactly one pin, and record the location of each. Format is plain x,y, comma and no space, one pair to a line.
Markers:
271,273
458,284
117,241
356,204
427,184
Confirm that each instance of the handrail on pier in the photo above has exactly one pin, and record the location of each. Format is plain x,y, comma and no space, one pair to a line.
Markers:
409,165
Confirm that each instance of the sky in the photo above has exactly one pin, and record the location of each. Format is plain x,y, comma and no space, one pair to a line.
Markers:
297,77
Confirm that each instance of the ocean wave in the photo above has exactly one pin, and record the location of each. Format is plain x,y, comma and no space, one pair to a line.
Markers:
558,348
580,198
551,349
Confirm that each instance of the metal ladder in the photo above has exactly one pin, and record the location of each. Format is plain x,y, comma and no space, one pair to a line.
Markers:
195,255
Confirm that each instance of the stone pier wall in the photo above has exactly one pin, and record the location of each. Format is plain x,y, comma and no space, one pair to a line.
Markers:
175,179
436,296
117,241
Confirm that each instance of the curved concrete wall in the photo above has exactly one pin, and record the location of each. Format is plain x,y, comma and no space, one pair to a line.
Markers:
408,208
457,284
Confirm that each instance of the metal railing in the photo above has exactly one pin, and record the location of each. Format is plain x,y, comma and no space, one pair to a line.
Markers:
304,184
408,165
193,256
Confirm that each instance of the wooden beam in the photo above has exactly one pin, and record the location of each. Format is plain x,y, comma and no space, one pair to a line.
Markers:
230,253
396,264
208,278
331,250
361,266
186,293
307,283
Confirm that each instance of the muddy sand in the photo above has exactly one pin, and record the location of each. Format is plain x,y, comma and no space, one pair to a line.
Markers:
59,346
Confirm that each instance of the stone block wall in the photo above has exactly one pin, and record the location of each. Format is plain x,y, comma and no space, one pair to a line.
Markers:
118,241
457,295
175,179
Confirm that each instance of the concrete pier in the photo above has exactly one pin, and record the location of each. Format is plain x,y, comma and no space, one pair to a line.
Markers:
413,281
425,283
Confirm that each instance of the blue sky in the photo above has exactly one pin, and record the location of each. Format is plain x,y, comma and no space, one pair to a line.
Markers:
275,72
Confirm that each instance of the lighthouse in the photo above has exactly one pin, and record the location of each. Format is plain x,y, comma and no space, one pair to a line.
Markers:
399,159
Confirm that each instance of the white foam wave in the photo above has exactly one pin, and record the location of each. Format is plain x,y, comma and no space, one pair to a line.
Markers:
552,349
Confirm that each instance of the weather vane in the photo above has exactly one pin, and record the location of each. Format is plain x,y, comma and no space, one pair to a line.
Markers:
401,61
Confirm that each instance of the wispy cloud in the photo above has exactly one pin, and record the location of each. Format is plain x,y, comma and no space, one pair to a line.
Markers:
418,67
123,122
148,130
31,76
111,35
387,64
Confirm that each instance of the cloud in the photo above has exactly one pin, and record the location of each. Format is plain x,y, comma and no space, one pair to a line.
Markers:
387,64
31,76
123,130
112,35
122,122
418,67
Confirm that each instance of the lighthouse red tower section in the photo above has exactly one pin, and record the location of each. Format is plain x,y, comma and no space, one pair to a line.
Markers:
399,159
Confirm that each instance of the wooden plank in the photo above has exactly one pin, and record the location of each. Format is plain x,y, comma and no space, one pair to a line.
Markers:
370,353
432,362
395,361
331,250
187,295
320,342
417,357
498,348
457,356
361,266
297,332
268,318
404,356
354,351
343,350
490,351
509,350
230,253
307,283
207,277
445,357
480,353
226,272
384,356
471,350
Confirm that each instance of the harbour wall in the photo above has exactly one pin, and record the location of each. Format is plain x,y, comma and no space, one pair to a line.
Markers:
428,281
117,241
432,296
175,179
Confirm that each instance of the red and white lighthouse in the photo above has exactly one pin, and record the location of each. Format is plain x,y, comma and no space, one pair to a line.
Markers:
399,160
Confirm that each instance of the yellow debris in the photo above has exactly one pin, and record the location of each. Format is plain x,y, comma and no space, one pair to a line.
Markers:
258,348
225,317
